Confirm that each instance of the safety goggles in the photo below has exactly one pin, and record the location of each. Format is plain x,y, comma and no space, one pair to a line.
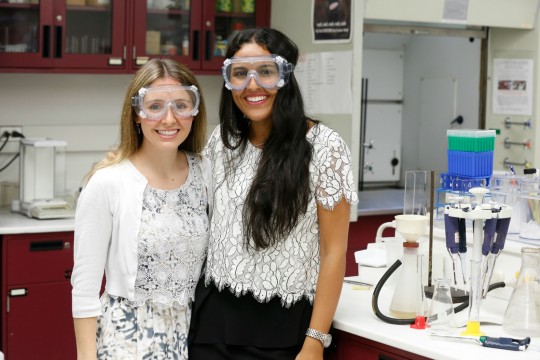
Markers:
269,72
153,103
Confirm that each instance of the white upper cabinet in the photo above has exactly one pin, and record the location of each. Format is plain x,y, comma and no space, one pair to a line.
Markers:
519,14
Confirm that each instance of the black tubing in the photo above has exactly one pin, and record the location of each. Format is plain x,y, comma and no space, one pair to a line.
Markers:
382,281
375,298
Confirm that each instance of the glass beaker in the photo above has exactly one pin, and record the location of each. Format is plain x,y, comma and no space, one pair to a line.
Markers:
522,315
441,311
529,200
505,190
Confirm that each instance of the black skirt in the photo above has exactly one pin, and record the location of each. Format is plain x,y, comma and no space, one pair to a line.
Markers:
220,317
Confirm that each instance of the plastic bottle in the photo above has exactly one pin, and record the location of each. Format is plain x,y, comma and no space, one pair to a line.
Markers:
522,316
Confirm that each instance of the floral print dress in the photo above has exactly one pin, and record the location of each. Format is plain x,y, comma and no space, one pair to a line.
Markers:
173,238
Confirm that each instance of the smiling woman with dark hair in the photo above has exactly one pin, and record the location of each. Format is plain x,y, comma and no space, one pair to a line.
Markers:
283,188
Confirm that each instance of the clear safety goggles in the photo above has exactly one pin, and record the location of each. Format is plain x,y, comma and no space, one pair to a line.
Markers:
153,103
269,72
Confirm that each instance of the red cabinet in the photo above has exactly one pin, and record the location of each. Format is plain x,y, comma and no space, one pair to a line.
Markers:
60,34
194,33
36,297
118,36
351,347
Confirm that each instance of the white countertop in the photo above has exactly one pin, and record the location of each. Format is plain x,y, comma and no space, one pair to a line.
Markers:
15,223
355,316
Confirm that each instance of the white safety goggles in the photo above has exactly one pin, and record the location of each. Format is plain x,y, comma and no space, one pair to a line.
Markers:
269,72
153,103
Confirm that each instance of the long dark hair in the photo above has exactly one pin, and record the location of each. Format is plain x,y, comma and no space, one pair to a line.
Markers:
280,191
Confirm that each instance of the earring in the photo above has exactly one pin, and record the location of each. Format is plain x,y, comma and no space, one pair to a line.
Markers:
138,128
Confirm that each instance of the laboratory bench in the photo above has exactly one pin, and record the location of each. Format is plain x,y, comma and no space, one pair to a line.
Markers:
359,334
36,266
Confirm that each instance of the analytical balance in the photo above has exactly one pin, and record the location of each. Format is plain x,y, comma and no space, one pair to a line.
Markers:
42,178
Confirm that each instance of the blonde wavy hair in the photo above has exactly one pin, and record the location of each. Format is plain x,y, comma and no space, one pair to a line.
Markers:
130,139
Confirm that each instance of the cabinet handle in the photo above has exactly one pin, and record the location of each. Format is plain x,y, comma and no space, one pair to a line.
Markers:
46,245
68,274
141,60
207,38
46,52
116,61
18,292
58,41
196,43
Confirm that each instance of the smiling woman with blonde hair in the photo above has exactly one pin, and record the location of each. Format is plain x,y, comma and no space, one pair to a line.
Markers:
142,220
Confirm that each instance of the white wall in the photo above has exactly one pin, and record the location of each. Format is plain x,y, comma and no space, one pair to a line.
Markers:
515,44
294,19
82,109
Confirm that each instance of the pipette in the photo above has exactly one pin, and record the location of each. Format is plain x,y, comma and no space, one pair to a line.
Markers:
451,226
498,245
488,261
462,233
488,341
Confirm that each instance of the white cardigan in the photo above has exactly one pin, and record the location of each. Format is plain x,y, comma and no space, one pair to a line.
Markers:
107,221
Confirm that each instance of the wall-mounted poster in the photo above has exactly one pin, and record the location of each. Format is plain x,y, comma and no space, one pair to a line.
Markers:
512,86
332,21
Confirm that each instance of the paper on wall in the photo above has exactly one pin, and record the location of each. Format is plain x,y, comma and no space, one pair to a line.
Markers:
325,81
512,86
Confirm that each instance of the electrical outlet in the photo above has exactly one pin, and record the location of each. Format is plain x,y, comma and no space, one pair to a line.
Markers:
10,129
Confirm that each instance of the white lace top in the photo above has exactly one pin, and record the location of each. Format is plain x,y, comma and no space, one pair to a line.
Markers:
290,268
173,238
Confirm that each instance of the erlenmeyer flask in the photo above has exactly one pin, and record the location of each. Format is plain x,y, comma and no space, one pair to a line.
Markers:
522,315
441,311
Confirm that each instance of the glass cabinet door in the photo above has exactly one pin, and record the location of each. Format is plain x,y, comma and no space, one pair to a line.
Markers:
62,34
223,19
88,27
23,24
165,28
90,33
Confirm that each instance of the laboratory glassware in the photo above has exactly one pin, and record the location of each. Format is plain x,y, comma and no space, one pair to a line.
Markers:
440,317
522,316
404,300
529,201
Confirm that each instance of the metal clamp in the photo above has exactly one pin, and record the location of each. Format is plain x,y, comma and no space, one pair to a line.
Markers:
525,123
507,163
369,146
524,143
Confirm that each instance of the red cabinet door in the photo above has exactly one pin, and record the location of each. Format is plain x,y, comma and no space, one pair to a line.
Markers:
36,296
39,324
26,35
163,30
63,35
89,36
38,258
217,26
194,33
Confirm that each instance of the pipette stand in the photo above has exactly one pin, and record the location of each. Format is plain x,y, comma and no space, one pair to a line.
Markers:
478,214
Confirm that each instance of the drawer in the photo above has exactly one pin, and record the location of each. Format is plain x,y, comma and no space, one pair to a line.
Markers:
37,258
